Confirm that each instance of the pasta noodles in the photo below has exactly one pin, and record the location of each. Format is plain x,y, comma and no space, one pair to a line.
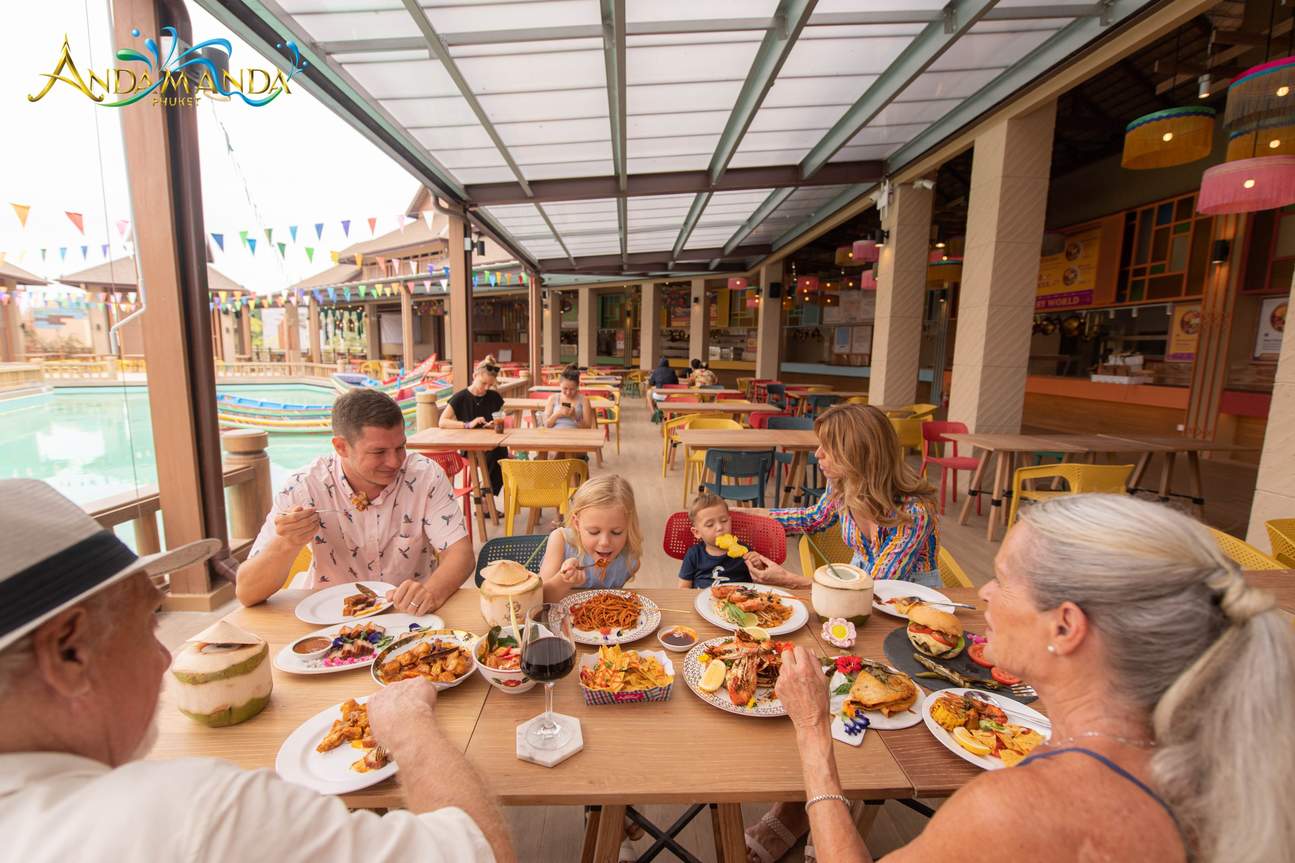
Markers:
606,611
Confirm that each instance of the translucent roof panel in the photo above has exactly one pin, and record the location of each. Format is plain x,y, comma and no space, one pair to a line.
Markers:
990,49
455,16
799,205
691,10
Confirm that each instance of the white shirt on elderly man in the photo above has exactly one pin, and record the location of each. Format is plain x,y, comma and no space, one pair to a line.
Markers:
58,807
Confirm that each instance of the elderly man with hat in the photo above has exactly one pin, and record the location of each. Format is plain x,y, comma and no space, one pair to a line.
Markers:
80,673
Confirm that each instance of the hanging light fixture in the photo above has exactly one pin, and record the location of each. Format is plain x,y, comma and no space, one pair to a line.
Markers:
1270,138
1169,137
1247,186
1263,92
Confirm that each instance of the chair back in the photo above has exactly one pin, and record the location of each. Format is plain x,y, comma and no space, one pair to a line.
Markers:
516,548
934,431
780,422
739,465
922,411
857,400
1080,479
757,532
776,394
951,574
761,420
1281,533
546,479
451,462
829,542
909,432
704,422
1245,554
816,403
300,564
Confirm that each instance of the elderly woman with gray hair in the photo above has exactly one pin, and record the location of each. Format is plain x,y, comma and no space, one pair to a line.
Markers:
1170,684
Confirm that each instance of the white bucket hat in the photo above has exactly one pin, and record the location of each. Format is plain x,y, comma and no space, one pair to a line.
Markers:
53,555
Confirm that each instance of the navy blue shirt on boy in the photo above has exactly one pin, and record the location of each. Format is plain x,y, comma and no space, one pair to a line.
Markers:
700,568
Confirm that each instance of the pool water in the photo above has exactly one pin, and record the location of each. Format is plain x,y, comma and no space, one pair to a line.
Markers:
96,442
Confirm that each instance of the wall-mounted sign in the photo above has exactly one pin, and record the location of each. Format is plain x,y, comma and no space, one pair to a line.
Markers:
1272,326
1184,333
1068,279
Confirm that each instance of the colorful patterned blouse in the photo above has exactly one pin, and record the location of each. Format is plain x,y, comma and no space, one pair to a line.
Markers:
901,551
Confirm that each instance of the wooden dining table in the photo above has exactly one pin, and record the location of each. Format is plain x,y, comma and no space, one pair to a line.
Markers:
534,406
475,443
798,442
737,406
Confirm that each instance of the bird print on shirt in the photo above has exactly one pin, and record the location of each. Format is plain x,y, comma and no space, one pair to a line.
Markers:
404,552
410,483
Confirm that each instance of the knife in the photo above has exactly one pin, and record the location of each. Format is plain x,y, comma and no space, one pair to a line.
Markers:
954,677
365,589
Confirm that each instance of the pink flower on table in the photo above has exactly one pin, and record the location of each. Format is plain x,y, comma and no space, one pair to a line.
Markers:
839,632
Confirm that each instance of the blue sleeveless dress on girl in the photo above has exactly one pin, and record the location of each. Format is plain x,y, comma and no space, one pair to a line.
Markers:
619,570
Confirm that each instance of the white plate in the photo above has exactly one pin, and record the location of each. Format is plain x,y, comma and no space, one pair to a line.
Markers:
1017,713
466,640
325,772
649,620
766,703
705,605
324,607
395,625
876,719
891,588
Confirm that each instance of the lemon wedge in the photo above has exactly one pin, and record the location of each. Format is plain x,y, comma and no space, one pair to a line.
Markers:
713,678
756,633
969,743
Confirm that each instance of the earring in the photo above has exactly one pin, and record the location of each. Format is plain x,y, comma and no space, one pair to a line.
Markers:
1052,648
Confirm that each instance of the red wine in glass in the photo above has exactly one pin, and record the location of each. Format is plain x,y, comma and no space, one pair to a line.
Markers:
548,655
548,659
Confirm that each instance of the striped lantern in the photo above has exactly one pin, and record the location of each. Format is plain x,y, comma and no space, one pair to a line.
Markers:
943,273
1174,136
1263,92
866,252
1247,186
1274,137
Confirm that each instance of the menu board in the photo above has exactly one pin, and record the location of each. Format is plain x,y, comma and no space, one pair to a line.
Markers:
1068,279
861,340
1272,325
841,340
1184,333
858,306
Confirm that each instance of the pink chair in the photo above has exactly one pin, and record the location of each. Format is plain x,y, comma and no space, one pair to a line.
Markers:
933,439
761,420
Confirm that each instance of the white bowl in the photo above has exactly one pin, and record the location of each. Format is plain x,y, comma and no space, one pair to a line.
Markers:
314,654
512,682
660,636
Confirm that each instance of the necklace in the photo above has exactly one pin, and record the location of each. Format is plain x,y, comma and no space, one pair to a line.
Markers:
1140,744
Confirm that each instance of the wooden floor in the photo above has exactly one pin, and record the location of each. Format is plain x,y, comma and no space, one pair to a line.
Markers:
554,834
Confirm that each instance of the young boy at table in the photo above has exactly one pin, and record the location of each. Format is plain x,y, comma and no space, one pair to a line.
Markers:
706,561
601,545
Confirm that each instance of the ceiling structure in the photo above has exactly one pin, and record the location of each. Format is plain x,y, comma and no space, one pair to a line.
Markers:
604,138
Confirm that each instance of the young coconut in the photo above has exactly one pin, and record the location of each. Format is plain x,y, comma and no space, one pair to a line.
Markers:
222,676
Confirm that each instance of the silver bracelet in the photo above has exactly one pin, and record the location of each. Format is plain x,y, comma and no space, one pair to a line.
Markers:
821,797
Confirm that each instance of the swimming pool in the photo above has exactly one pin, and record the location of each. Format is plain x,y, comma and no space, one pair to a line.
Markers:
96,442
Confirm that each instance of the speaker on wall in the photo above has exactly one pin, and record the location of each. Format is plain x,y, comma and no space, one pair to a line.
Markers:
775,290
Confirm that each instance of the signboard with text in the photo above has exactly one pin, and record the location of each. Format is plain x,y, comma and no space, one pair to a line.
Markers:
1068,279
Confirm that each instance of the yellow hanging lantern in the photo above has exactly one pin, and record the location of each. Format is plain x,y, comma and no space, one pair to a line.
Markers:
1271,138
1163,139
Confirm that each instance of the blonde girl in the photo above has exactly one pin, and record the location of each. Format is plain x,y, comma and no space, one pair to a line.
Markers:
599,546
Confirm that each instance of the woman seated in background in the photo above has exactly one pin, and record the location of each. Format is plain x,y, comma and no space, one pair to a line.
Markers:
475,407
568,408
1168,681
701,375
887,511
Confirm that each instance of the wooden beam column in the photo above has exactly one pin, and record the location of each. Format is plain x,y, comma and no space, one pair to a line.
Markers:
228,336
534,325
406,327
316,354
699,322
1000,271
245,330
650,325
1218,303
372,333
553,328
460,301
291,336
12,349
901,297
586,327
768,328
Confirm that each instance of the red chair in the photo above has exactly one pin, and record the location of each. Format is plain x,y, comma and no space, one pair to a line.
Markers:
758,392
761,420
453,463
757,532
933,438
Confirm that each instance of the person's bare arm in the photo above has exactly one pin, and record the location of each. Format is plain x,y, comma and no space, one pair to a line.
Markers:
588,418
765,571
457,563
260,577
559,575
433,772
449,421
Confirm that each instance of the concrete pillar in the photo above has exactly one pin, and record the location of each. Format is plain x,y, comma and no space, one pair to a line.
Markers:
699,323
901,295
460,302
534,328
553,328
650,325
1275,485
99,325
312,323
406,327
1000,271
372,332
768,328
587,327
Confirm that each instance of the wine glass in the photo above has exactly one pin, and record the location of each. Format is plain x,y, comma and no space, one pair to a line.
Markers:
548,655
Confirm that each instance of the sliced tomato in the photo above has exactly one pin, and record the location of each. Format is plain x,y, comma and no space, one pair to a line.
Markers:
976,653
942,637
1003,677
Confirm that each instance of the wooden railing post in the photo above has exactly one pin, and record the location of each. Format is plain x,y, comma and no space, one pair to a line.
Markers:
147,538
428,414
248,501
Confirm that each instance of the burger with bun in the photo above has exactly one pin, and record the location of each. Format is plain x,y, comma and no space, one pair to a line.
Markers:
935,633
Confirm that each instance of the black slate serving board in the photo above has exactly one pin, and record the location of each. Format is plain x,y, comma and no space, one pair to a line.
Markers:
899,653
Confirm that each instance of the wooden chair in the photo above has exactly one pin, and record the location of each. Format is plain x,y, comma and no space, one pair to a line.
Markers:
1081,479
1245,554
1281,533
537,484
757,532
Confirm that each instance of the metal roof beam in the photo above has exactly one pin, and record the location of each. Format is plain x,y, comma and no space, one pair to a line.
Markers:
821,213
789,20
933,41
671,183
613,33
662,258
762,212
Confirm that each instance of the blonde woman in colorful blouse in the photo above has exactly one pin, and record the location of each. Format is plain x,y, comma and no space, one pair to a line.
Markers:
886,510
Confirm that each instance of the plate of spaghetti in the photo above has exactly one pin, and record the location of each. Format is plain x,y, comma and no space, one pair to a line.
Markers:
610,616
735,605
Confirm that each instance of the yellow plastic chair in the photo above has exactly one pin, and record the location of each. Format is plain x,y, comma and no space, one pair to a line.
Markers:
537,484
668,439
737,418
300,564
857,400
744,384
951,574
909,432
921,411
1245,554
695,458
1281,533
830,543
1080,479
611,416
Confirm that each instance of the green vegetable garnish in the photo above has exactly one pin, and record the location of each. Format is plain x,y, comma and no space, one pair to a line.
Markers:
843,689
738,616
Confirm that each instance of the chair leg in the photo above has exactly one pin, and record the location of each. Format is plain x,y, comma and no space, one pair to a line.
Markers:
618,437
533,519
944,477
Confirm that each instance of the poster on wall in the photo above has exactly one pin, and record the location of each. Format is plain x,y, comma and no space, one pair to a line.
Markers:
1272,325
861,340
1068,279
1184,333
835,313
841,340
677,306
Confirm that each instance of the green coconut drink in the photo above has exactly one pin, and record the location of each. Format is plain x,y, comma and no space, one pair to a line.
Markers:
222,676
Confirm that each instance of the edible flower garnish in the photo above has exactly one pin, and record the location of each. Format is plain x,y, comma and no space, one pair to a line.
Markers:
839,632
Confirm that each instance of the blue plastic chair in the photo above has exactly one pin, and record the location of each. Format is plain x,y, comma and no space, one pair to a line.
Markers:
782,460
816,403
738,465
813,492
518,548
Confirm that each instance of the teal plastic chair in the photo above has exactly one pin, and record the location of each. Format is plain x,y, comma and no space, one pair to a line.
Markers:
782,460
518,548
731,467
816,403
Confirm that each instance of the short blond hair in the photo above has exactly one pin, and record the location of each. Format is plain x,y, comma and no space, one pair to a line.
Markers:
606,490
704,500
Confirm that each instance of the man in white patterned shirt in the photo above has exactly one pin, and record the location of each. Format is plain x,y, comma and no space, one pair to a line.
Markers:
370,511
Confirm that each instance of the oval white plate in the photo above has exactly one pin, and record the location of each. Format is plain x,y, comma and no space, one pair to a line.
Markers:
891,588
465,639
876,719
396,625
705,606
1017,713
326,772
649,620
693,670
324,607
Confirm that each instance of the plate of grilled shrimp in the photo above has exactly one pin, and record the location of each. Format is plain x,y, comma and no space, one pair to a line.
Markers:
735,605
333,752
750,667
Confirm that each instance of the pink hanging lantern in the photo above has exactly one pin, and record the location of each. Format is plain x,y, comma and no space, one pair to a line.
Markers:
737,283
1247,186
868,280
865,252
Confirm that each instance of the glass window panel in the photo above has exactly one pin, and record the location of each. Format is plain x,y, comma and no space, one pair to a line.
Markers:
1144,236
1182,228
1285,237
460,17
1136,289
1160,244
1178,253
1139,271
585,102
534,72
1200,257
1183,208
386,24
948,85
401,80
978,50
1164,288
1281,273
1164,213
1156,269
1126,247
840,91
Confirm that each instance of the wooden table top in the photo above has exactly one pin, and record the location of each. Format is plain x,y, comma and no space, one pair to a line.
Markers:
718,407
795,395
465,439
1177,443
789,439
540,404
556,440
550,388
1098,443
1013,442
710,391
